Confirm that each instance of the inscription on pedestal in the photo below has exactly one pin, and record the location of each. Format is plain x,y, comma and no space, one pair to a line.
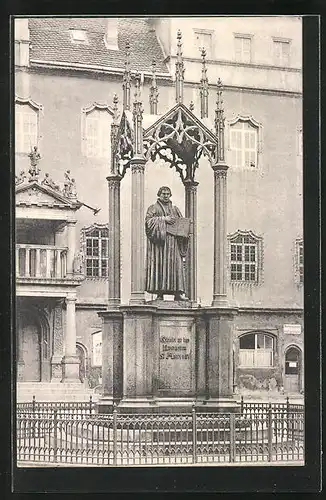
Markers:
175,357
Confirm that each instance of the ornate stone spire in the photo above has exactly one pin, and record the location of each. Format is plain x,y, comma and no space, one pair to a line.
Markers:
204,87
219,123
114,132
179,70
138,118
126,84
153,92
115,119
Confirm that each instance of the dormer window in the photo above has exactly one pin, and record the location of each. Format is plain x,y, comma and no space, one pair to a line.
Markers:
111,34
78,36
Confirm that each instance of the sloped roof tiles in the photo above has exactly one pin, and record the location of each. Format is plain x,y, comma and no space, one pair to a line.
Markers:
51,42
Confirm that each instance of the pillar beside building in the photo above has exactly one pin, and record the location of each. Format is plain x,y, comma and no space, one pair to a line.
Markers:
70,361
191,258
137,296
114,288
71,244
220,234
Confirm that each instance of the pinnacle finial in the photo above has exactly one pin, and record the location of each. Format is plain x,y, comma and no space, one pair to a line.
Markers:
137,86
179,70
219,122
204,87
191,106
115,108
126,83
153,91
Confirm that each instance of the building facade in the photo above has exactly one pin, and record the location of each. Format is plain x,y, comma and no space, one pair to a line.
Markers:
67,72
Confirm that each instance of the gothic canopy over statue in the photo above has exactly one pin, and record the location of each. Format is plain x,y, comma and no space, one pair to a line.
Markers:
178,137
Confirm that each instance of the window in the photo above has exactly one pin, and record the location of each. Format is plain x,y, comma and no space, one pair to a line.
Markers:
300,142
78,36
256,350
244,144
242,48
96,250
26,125
204,39
281,52
245,257
97,349
299,261
96,131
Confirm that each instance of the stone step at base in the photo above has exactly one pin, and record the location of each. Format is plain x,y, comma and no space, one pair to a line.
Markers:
53,392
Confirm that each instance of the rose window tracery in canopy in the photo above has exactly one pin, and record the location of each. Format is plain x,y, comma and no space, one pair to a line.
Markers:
178,138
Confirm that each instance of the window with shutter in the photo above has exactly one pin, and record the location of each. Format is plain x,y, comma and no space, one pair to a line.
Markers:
244,144
242,48
26,128
97,133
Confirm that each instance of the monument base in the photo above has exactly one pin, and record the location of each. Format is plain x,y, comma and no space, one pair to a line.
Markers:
167,356
168,405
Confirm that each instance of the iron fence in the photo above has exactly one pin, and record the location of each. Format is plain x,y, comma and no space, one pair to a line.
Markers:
249,407
162,439
72,408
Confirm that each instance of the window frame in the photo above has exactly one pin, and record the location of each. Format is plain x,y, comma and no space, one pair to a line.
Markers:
38,109
243,36
282,42
86,112
86,234
231,129
209,50
299,141
271,351
80,41
257,243
299,261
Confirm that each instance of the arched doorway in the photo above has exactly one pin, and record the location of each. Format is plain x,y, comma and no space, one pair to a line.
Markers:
29,341
292,369
82,355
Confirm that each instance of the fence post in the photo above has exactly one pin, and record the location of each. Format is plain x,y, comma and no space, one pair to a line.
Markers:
270,432
287,404
55,435
241,405
90,404
33,403
194,434
115,411
232,437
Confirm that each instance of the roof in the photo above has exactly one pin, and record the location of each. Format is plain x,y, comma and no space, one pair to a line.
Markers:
51,42
43,196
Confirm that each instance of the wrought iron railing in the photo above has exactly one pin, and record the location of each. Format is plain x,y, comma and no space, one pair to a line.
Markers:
51,435
68,408
257,407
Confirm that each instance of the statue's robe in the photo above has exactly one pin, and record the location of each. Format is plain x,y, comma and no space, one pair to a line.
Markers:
165,252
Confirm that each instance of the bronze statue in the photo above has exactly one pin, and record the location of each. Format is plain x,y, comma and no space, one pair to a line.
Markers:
167,242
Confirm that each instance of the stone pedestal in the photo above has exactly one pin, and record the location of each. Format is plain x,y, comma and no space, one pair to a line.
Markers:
167,356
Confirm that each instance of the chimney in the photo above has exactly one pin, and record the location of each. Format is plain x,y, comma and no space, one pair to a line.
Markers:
21,32
111,33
